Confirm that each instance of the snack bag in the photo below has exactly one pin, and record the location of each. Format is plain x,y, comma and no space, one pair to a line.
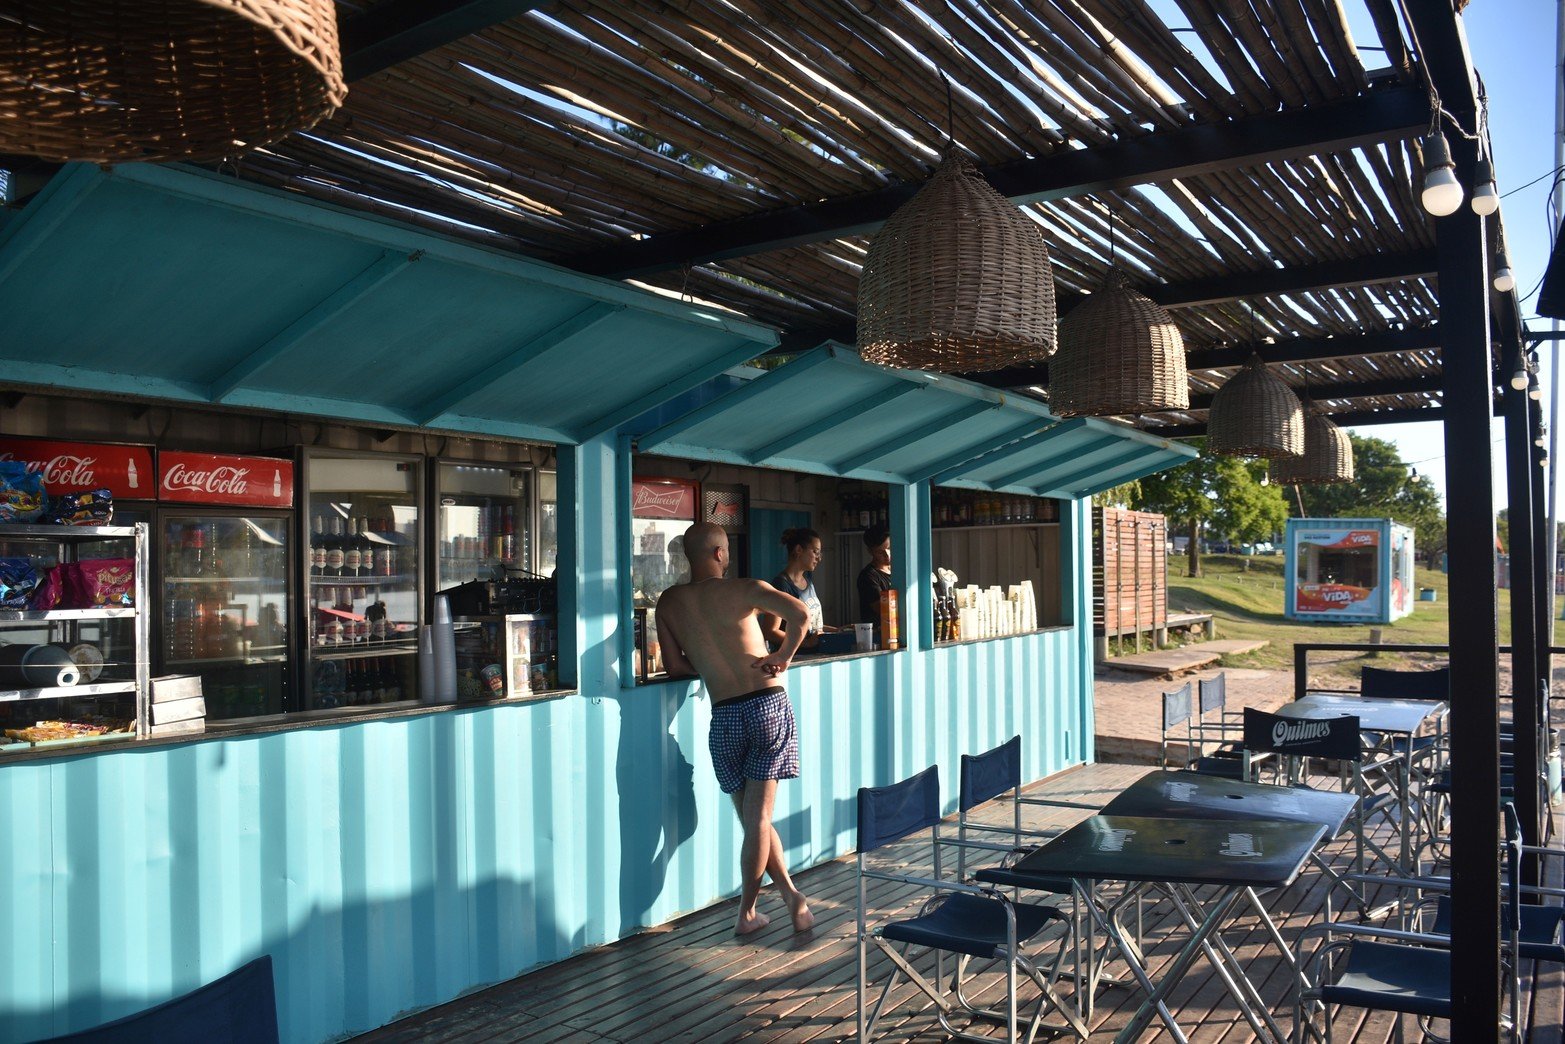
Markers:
21,493
18,578
99,582
92,507
47,594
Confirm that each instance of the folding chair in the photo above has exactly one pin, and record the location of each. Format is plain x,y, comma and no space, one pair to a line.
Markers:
959,918
1411,974
1216,724
1177,712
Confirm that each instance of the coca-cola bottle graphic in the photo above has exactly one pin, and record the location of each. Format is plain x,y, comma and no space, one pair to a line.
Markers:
277,482
132,481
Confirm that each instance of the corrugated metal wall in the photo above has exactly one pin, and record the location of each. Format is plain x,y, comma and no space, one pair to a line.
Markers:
392,865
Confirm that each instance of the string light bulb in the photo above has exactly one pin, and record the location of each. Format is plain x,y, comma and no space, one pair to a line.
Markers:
1520,379
1486,197
1442,192
1504,278
1534,392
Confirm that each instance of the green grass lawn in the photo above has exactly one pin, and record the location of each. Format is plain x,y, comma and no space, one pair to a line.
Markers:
1245,595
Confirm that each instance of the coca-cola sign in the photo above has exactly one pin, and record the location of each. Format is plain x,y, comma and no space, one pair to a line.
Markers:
211,478
70,467
662,498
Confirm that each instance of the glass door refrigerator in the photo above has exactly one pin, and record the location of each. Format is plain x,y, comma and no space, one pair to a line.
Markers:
224,565
485,538
361,512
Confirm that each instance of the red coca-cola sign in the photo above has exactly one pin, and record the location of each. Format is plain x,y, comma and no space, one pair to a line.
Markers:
215,478
662,498
69,467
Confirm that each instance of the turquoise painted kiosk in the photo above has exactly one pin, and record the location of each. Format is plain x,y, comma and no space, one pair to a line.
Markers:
1352,570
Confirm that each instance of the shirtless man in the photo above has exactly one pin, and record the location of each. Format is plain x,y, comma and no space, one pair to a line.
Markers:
710,627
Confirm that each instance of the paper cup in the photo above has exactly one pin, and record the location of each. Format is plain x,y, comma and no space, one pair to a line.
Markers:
864,637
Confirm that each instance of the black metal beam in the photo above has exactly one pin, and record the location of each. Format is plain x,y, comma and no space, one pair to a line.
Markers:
395,31
1381,115
1350,390
1349,419
1235,286
1519,466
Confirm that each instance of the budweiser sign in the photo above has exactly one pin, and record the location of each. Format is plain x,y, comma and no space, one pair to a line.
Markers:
662,499
70,467
210,478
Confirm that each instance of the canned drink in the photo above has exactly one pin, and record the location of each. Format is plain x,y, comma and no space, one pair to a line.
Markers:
494,677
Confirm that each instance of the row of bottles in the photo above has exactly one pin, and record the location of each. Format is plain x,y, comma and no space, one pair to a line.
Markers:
340,551
955,507
860,510
496,537
345,624
361,682
948,620
207,551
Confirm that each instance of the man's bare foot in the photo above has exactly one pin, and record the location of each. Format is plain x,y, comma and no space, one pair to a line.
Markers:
754,923
803,920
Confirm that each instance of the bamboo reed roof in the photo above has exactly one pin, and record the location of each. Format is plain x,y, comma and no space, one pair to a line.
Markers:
582,127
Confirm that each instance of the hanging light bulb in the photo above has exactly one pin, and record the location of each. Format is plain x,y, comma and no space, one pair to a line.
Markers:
1539,440
1520,379
1504,278
1535,393
1442,192
1486,198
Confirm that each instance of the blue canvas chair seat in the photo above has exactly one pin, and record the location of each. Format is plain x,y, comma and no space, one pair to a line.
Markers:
970,924
960,918
1387,977
239,1008
1538,937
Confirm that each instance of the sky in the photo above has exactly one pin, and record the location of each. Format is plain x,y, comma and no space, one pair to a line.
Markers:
1512,43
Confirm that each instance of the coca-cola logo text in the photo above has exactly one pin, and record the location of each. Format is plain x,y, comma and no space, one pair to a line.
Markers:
227,481
63,470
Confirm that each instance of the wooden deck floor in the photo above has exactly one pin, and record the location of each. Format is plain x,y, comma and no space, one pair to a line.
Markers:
692,980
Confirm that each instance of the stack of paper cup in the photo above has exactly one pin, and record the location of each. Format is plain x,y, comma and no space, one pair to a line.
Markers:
426,665
444,640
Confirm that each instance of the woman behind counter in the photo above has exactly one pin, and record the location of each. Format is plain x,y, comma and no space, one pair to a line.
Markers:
804,556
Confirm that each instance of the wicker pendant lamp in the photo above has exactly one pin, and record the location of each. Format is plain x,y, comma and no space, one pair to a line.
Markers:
1119,353
1328,454
1255,415
958,279
111,81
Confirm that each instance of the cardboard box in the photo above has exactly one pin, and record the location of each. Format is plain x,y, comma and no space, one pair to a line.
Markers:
178,710
179,728
175,687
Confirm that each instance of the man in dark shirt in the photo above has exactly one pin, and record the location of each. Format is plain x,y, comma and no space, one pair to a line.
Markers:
875,577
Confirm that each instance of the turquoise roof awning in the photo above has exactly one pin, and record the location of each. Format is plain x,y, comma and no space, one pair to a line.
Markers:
828,412
175,284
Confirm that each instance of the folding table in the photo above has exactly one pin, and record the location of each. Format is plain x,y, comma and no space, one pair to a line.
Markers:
1235,855
1395,717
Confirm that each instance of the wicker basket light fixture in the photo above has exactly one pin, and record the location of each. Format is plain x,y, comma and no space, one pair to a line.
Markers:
111,81
1328,455
1255,415
1119,353
957,279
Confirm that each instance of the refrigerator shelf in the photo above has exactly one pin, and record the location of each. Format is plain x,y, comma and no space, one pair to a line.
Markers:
228,661
276,581
68,532
360,581
30,615
362,652
62,691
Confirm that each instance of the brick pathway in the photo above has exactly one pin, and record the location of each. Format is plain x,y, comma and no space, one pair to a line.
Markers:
1129,707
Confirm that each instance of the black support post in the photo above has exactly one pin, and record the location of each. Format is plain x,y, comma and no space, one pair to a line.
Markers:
1543,578
1475,639
1520,455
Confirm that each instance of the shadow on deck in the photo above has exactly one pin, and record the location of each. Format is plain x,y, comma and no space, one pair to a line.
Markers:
692,980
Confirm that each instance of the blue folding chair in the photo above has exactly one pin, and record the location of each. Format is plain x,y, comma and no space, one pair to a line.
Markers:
968,920
1178,710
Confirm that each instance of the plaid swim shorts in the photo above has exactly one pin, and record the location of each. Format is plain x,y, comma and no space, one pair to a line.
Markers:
753,737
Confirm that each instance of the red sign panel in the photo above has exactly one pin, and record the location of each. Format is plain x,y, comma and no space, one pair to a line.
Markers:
663,498
69,467
214,478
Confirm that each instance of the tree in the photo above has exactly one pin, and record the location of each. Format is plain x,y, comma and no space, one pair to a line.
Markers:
1382,487
1223,491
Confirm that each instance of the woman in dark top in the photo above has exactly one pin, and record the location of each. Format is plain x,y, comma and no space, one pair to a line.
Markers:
804,557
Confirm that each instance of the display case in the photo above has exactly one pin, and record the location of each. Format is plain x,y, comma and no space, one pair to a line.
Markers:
78,671
365,594
226,607
506,656
485,526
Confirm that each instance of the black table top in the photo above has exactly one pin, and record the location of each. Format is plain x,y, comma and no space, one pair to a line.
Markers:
1258,853
1180,795
1374,715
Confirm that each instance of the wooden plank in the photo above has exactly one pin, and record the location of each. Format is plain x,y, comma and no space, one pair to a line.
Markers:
1167,661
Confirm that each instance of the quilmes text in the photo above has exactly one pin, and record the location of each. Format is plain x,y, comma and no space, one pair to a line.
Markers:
1288,733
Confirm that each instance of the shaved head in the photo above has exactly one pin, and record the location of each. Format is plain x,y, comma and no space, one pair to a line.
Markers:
701,540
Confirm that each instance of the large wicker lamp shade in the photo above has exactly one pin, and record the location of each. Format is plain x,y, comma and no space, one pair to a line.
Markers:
1119,353
1255,415
110,81
957,279
1328,455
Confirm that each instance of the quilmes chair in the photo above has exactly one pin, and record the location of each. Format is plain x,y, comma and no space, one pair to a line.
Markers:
972,921
1178,710
1411,973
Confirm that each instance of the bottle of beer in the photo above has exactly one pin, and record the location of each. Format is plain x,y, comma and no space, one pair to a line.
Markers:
334,548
